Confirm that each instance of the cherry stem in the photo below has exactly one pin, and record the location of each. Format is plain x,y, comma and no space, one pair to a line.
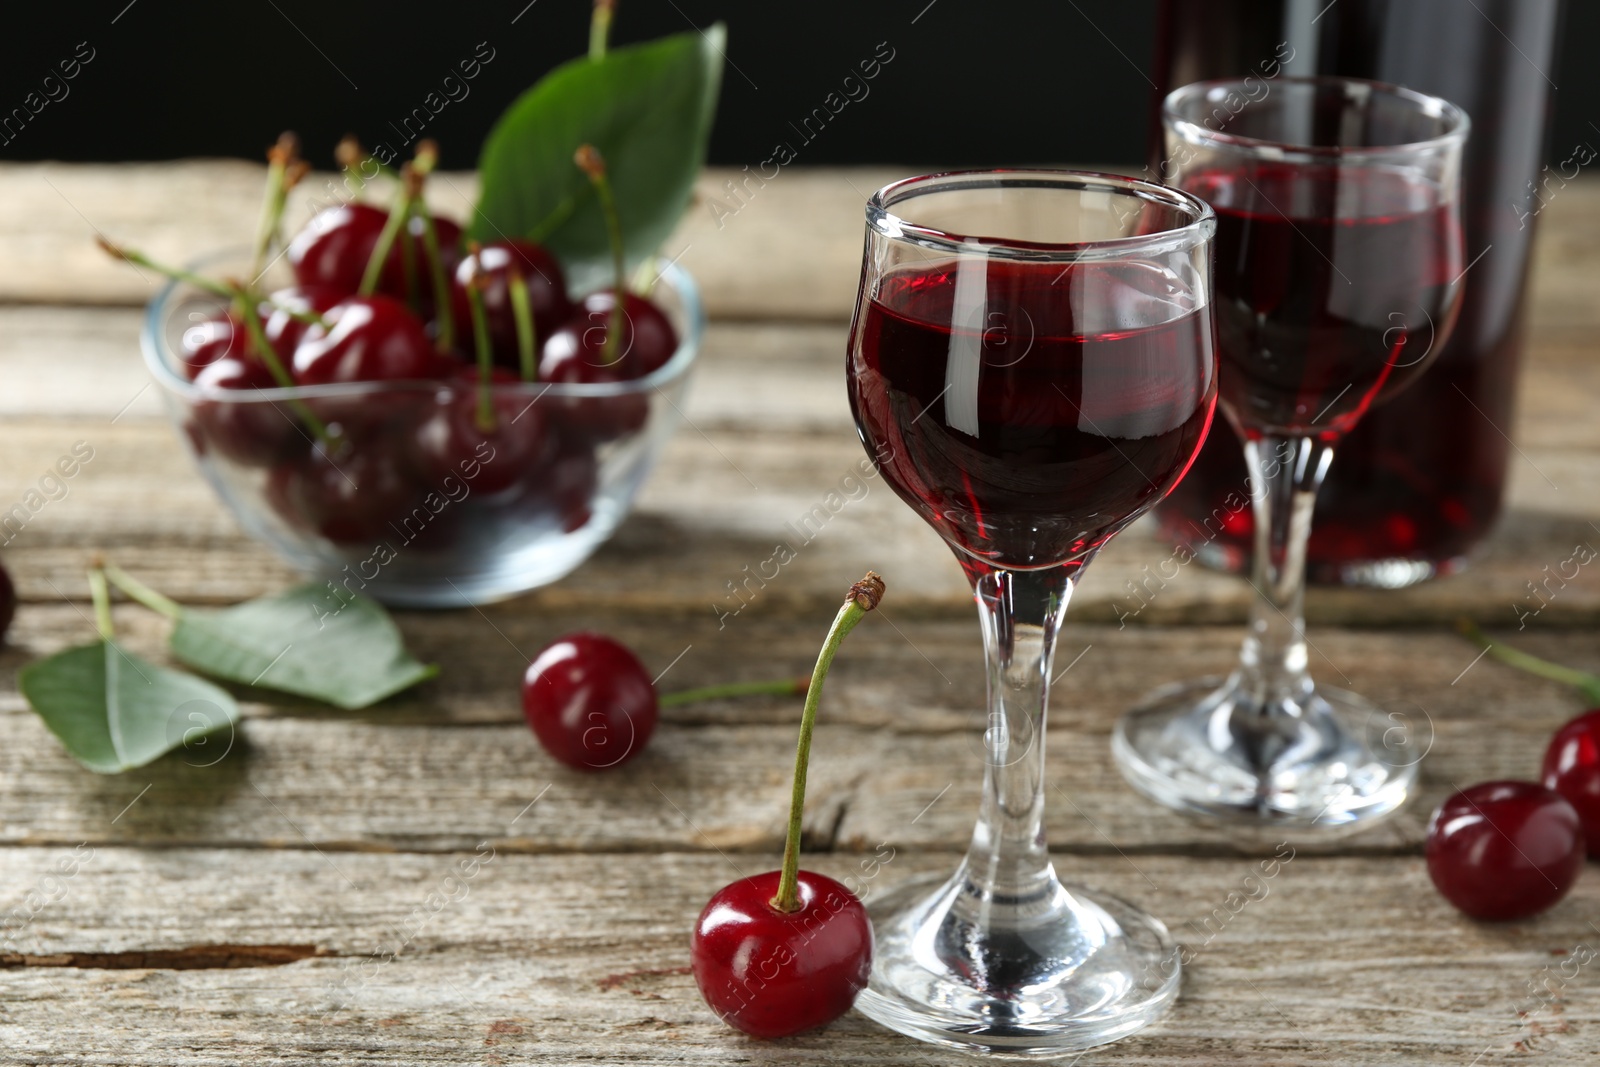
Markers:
102,600
600,28
1586,683
280,158
244,306
589,160
527,331
862,598
782,687
137,590
480,336
352,157
399,211
441,287
177,274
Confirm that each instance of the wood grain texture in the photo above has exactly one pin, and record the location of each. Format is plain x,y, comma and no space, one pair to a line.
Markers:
578,960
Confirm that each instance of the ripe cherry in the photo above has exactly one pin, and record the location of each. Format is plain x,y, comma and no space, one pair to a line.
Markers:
283,330
589,701
1504,850
492,266
773,973
210,340
452,440
334,247
368,339
352,492
254,433
569,360
1572,768
565,486
789,950
646,344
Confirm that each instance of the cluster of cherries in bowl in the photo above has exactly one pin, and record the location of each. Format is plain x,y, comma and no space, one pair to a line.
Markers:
1510,849
453,387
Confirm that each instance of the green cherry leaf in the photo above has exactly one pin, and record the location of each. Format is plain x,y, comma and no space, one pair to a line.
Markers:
347,652
114,711
648,108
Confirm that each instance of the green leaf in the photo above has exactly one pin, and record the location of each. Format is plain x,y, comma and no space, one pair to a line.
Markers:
114,711
346,652
648,108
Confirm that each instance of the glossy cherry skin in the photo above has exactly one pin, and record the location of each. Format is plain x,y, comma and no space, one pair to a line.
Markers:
351,492
282,330
335,246
253,433
452,442
212,339
1572,768
8,602
648,340
547,294
771,973
1504,850
589,701
368,339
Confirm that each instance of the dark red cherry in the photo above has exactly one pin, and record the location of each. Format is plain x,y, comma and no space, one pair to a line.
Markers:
589,701
568,361
771,973
335,246
368,339
1572,768
212,339
8,602
451,441
255,433
1504,850
648,340
354,492
567,484
547,294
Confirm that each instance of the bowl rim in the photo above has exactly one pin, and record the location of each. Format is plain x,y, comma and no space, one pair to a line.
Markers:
155,350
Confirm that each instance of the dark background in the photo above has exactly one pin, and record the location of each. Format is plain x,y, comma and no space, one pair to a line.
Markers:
973,82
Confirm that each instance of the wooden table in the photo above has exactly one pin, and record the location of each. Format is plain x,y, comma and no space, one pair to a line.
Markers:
305,901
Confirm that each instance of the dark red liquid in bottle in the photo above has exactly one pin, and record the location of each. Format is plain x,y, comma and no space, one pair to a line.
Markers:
1031,421
1329,288
1418,484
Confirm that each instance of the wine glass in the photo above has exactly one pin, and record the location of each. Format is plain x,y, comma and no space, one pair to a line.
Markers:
1338,266
1031,368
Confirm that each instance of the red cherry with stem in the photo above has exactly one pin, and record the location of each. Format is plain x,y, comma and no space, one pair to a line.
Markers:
647,342
212,339
333,247
589,701
513,446
367,339
1572,768
789,950
253,433
566,361
1504,850
492,265
284,316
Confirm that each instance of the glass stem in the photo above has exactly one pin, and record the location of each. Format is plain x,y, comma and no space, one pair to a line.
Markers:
1021,612
1285,473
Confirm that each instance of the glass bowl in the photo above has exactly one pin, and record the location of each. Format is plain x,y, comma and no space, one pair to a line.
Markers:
376,510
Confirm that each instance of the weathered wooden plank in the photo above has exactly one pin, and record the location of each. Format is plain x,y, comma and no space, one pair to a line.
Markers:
578,959
180,211
898,756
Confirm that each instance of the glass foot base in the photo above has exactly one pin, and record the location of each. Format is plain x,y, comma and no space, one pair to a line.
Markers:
1037,975
1330,761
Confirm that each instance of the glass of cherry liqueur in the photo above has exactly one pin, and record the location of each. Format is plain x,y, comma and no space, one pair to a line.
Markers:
1338,271
1031,366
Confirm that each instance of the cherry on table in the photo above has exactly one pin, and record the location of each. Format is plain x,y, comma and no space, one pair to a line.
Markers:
254,433
492,266
589,701
451,441
1504,850
1572,768
772,973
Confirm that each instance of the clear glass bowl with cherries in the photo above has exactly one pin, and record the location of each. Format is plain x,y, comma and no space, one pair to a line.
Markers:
425,452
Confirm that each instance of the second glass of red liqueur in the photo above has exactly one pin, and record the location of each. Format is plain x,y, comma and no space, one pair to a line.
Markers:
1338,266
